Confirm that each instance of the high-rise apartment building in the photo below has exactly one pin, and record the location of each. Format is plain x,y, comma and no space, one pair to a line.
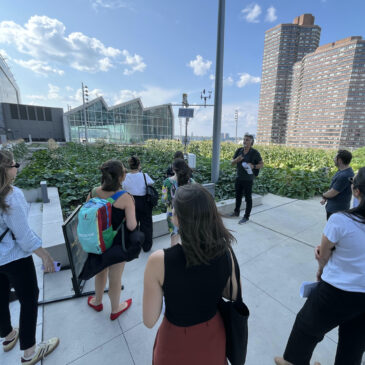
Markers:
285,45
327,107
9,90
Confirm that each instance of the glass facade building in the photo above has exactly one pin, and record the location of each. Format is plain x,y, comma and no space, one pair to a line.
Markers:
125,123
9,90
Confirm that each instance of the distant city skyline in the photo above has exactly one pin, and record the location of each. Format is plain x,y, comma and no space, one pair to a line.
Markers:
127,49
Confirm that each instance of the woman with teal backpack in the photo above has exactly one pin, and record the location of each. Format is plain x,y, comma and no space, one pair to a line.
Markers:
113,174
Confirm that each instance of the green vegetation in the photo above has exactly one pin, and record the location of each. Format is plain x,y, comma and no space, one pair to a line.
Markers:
73,169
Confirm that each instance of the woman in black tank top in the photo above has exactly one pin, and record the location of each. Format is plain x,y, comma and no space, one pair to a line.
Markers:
192,277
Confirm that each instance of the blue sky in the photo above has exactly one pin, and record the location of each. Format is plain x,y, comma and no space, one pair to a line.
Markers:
155,49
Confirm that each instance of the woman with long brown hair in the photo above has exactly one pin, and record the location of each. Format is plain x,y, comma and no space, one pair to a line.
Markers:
106,265
191,277
17,243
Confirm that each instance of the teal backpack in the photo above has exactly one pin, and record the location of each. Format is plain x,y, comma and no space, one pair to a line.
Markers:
94,227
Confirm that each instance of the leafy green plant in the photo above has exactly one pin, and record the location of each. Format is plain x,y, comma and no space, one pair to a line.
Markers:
74,168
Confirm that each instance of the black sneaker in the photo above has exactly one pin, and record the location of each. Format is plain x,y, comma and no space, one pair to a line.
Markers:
243,220
234,214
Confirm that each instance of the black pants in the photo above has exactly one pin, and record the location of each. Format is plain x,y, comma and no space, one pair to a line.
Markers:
326,308
144,219
20,274
243,187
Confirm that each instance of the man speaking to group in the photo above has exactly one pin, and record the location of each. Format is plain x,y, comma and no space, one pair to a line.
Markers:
248,162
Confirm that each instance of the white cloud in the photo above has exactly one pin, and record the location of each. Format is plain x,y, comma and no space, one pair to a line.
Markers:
228,81
69,88
200,66
53,91
4,54
39,67
271,14
251,13
45,40
135,62
246,78
150,96
212,77
202,123
109,4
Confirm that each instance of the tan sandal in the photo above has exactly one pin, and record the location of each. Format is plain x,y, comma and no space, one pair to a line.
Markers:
42,350
8,345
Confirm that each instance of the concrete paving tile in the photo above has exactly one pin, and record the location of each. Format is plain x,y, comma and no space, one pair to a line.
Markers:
269,327
79,328
141,350
281,271
252,239
289,219
113,352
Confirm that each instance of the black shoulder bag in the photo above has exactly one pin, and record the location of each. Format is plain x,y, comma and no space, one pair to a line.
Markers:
151,194
235,315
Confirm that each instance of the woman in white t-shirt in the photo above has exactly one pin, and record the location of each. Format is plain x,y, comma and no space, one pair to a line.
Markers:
339,298
135,184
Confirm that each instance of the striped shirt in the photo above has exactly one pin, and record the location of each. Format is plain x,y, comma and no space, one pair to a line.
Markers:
16,219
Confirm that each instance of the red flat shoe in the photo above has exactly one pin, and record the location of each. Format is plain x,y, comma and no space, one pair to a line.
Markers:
98,307
114,316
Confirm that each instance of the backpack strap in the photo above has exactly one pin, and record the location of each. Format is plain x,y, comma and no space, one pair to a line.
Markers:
115,196
5,232
145,181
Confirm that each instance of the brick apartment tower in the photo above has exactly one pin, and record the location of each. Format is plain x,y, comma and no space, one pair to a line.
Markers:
285,45
327,107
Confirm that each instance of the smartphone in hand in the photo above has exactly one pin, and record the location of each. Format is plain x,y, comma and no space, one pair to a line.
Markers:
57,266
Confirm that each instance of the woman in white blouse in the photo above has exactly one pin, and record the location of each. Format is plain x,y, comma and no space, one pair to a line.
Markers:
339,298
17,243
135,184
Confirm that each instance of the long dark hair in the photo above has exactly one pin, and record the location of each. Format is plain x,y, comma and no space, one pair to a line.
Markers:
111,172
182,170
6,160
358,213
201,228
134,162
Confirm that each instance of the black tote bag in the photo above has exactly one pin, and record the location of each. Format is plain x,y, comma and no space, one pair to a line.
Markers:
151,194
235,315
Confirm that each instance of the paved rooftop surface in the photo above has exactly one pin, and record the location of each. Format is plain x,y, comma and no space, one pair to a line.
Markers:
275,253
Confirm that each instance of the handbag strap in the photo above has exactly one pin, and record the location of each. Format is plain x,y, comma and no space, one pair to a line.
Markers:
4,234
238,275
145,181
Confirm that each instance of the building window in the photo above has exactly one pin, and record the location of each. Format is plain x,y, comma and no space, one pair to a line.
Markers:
14,111
48,114
39,113
23,112
31,113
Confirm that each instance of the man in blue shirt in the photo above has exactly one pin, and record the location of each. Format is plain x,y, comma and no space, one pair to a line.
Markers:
338,197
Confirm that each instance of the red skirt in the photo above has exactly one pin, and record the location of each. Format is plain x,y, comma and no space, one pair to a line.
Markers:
204,343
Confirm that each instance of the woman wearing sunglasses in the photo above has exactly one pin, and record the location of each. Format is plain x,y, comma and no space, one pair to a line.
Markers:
17,243
339,298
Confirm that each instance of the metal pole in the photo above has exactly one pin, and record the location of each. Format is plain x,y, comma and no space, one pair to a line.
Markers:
218,92
236,118
186,134
83,104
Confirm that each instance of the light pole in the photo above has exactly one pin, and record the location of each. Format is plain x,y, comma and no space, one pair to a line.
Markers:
236,119
218,92
85,95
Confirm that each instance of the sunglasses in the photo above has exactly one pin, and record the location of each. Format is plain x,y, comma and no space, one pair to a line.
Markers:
16,165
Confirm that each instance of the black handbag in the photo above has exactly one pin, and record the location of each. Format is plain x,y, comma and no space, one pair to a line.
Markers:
127,250
151,194
235,315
